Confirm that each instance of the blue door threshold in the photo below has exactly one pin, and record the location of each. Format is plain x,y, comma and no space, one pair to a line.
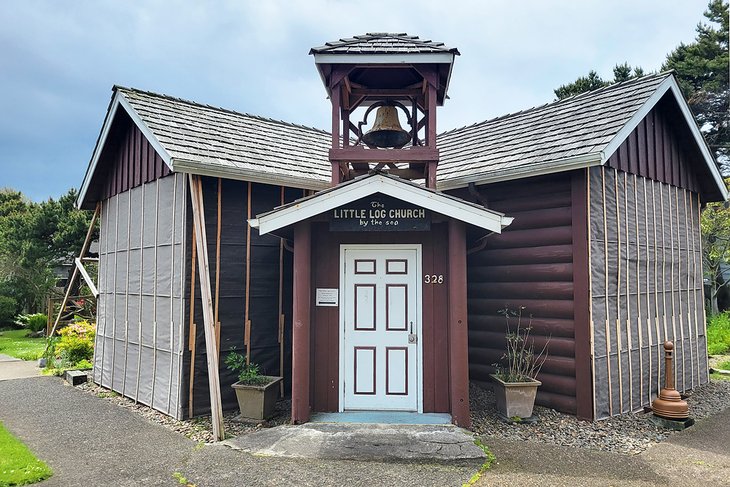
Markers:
382,417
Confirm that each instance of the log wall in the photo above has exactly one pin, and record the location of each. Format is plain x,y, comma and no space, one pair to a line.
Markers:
530,265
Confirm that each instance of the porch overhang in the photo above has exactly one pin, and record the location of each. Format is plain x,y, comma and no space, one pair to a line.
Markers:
376,182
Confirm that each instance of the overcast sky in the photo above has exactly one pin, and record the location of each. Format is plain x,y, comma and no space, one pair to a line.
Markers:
59,60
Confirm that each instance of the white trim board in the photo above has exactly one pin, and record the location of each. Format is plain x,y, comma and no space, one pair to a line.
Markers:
388,185
118,101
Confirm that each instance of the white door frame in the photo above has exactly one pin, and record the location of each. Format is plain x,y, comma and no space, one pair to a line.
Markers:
418,315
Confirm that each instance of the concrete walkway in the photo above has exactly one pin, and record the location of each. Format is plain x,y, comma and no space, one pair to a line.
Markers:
14,368
90,441
370,442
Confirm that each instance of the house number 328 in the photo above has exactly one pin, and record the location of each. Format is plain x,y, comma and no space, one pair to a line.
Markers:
433,279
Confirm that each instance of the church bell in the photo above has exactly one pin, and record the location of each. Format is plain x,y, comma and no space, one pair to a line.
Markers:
386,131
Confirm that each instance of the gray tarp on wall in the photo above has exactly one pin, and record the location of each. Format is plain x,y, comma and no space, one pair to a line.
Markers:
646,287
140,306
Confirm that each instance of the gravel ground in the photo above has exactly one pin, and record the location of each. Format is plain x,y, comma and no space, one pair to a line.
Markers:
627,434
197,429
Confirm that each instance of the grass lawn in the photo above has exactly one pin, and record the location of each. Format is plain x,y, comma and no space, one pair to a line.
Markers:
16,344
18,466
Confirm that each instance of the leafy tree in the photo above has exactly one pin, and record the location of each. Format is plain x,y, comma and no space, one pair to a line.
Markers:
621,72
34,239
716,249
703,70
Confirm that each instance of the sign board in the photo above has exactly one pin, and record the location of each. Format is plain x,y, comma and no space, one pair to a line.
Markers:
380,213
327,297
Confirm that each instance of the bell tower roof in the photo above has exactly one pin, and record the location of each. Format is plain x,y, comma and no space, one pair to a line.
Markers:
383,43
376,51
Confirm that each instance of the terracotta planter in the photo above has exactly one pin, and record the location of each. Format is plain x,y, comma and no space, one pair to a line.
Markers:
515,399
257,402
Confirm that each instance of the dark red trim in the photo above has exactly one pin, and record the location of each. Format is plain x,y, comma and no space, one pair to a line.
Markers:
458,330
387,371
375,269
375,309
581,295
387,266
375,368
387,307
300,404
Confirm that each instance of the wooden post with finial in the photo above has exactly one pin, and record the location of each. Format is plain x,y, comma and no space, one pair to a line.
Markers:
669,404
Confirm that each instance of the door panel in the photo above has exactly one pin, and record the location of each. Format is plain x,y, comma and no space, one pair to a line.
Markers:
380,368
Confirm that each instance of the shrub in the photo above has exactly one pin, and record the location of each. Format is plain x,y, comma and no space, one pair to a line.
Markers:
248,374
76,343
718,334
8,309
34,322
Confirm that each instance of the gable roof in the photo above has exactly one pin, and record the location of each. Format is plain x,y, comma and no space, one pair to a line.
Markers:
580,131
202,139
383,43
377,182
576,132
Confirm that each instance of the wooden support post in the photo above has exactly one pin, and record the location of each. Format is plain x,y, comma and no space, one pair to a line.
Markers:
247,321
191,325
201,241
458,329
218,272
619,343
84,250
301,323
281,307
335,90
581,295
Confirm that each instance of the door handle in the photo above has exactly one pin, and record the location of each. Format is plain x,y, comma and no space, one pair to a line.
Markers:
412,337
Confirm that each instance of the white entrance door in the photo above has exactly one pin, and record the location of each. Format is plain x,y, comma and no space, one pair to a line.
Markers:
380,324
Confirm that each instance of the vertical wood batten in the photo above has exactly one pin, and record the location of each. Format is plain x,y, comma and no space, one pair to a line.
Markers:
606,276
458,330
301,324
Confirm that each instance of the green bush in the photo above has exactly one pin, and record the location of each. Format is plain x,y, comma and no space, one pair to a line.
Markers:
76,343
718,334
8,310
33,322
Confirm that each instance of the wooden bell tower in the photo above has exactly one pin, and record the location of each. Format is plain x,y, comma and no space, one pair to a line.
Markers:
401,73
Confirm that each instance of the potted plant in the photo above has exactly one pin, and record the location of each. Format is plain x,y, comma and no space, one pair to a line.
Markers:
516,377
256,393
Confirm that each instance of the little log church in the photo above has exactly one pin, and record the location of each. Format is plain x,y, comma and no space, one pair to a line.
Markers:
366,265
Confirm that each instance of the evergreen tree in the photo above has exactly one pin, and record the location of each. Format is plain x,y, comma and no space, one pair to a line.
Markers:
702,69
621,72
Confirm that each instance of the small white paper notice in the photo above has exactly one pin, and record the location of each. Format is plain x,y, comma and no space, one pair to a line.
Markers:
327,297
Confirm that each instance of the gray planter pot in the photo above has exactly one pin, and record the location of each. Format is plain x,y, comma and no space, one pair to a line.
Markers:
257,402
515,399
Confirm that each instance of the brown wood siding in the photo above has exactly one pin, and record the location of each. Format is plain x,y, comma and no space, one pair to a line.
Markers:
128,161
326,321
655,151
529,265
263,293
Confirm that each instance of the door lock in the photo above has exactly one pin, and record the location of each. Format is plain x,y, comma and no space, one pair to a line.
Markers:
412,337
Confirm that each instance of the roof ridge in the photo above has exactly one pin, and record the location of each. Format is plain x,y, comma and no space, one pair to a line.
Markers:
585,94
217,108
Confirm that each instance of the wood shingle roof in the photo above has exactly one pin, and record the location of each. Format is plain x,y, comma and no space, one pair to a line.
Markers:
567,134
383,43
575,127
205,139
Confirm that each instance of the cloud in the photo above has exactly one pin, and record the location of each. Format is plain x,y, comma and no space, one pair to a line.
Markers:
58,60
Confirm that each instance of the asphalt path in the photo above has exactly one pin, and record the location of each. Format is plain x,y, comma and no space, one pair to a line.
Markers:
89,441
